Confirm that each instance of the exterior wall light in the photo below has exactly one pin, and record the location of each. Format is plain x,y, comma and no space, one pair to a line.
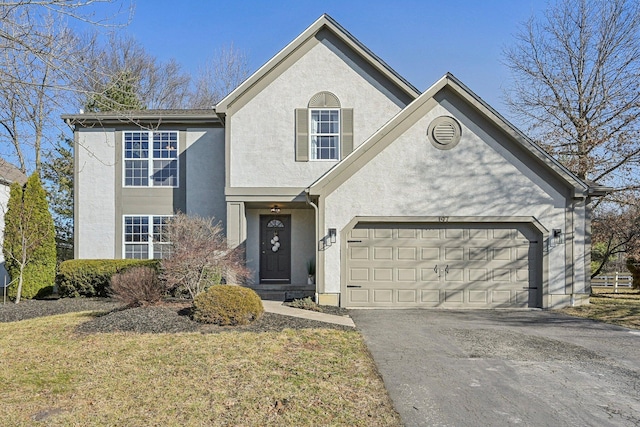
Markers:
332,235
275,209
557,236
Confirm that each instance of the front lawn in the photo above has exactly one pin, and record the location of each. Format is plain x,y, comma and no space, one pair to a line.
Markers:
54,375
621,308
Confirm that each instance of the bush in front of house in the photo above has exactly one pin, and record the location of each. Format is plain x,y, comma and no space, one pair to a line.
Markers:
92,277
29,244
227,305
137,286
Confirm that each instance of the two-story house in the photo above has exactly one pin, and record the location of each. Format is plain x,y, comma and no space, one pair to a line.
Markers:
325,154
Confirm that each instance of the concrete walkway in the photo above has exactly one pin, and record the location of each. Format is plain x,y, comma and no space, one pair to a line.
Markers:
279,308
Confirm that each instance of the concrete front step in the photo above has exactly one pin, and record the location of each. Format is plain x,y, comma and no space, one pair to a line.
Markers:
284,292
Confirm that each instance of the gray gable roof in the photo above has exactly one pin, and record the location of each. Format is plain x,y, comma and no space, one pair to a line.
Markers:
9,173
328,23
335,176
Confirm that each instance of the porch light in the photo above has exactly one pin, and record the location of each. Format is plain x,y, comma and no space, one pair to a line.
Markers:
557,236
275,209
332,235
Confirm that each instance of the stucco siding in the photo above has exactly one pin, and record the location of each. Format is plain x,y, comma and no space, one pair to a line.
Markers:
95,193
480,177
262,148
205,173
302,238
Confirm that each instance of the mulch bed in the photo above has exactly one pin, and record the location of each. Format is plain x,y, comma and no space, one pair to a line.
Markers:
167,317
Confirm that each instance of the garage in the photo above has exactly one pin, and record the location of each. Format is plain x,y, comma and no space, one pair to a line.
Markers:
448,265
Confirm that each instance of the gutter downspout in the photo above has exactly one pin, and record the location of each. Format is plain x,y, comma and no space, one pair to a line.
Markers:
317,256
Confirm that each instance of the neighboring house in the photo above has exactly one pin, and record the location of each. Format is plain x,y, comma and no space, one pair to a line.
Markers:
8,175
325,153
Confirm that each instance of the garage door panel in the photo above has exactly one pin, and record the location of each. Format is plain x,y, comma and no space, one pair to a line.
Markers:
452,254
383,274
441,265
383,295
478,297
382,253
430,254
407,296
408,253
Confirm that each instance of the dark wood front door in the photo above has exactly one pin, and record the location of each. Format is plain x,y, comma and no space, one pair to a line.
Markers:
275,249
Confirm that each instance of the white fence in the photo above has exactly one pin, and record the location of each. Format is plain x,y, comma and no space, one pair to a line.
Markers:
614,280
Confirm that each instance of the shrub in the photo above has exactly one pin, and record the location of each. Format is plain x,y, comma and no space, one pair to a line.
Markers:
200,256
305,304
137,286
29,244
227,305
91,277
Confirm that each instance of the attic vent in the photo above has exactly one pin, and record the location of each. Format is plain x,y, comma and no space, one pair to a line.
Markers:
324,100
444,132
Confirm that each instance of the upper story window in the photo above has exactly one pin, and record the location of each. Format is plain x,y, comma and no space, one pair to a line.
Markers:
151,159
324,134
324,130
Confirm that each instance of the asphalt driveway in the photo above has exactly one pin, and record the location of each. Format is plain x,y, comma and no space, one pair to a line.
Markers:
500,368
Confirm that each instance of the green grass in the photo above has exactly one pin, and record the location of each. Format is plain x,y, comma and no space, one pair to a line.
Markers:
621,308
308,377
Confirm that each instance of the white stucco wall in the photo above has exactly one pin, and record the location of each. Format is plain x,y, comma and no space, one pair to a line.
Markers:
95,194
4,199
205,173
263,130
478,177
302,238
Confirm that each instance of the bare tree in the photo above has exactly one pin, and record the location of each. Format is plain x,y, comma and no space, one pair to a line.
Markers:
200,256
226,69
576,84
616,230
155,84
38,58
29,97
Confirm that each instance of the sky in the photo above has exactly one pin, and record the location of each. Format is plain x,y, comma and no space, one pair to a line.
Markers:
421,40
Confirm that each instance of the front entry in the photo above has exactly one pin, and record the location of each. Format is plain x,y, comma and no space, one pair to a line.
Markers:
275,249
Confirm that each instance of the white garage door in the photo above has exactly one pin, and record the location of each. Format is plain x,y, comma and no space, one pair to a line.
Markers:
442,265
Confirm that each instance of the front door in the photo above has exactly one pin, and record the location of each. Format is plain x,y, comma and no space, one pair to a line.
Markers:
275,249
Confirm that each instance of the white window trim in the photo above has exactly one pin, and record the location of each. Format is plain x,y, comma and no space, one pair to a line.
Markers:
312,151
149,243
150,160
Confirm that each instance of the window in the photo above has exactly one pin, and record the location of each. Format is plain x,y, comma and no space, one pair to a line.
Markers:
151,166
324,130
145,236
324,134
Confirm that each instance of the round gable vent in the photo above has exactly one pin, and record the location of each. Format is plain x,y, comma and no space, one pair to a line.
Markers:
444,132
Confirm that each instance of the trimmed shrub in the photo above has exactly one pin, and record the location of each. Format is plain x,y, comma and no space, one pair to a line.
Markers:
227,305
92,277
305,304
137,286
29,245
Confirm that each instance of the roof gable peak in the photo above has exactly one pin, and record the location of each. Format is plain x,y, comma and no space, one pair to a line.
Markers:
323,22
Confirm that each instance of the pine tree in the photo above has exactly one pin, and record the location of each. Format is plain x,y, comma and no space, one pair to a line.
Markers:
120,95
57,176
29,240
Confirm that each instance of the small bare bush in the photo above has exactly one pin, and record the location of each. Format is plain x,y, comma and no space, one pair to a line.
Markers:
137,286
200,256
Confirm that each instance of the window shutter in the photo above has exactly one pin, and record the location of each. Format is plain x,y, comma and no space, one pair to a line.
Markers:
302,135
347,131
